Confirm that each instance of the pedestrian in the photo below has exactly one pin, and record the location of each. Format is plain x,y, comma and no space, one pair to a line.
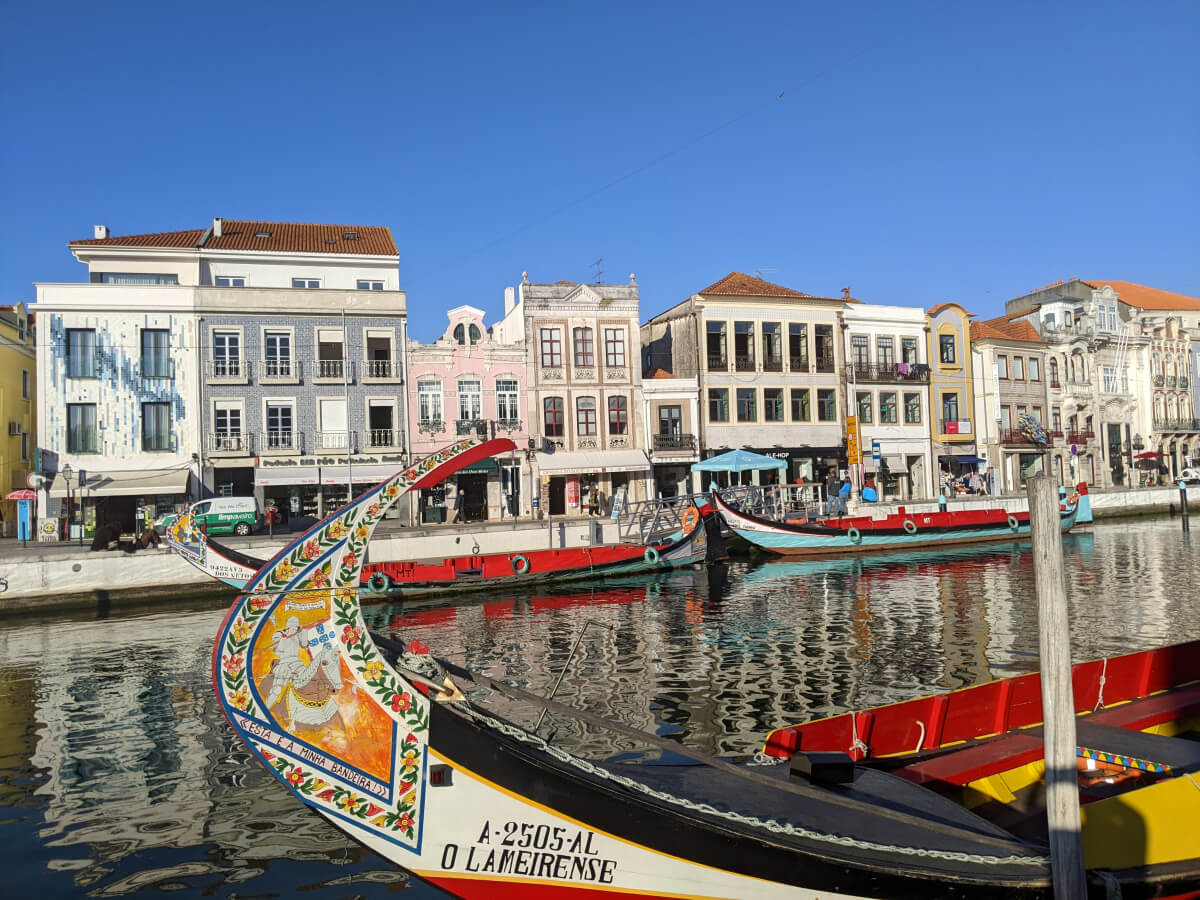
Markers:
832,485
460,499
844,493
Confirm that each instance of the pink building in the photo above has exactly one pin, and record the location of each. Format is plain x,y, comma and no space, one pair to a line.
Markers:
470,381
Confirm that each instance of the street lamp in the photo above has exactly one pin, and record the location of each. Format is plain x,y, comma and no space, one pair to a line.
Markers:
66,473
1138,446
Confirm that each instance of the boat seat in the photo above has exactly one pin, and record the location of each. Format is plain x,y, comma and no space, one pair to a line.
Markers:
1178,753
977,760
1167,706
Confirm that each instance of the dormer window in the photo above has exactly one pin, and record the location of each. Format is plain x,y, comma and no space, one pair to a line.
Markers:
349,235
262,234
463,333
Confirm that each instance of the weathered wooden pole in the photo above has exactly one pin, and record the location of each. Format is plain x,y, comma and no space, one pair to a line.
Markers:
1183,512
1058,701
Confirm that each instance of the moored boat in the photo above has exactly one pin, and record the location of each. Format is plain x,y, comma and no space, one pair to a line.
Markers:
378,736
895,531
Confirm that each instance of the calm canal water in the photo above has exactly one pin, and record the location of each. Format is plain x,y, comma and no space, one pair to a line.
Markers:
119,777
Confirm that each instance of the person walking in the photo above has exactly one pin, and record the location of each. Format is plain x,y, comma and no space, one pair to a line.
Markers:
833,484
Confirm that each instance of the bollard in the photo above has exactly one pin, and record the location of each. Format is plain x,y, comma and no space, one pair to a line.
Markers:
1058,703
1183,510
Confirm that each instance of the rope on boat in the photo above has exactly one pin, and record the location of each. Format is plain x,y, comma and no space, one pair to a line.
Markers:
753,821
1103,678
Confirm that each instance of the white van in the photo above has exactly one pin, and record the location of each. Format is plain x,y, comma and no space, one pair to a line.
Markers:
227,515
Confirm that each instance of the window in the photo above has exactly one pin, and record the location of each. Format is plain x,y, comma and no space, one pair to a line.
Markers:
585,417
1053,372
585,351
156,353
798,347
863,403
715,337
747,405
1034,369
908,349
1018,368
743,346
614,347
279,427
772,404
227,354
24,445
1055,418
912,409
1005,418
230,280
551,348
81,428
380,361
369,285
227,426
330,353
1037,414
948,353
718,404
137,278
334,430
381,423
670,421
800,405
618,415
552,416
156,427
1048,320
825,352
1002,366
470,400
21,328
277,349
24,384
887,408
429,401
1110,379
826,405
950,407
508,409
306,282
885,351
81,353
772,348
860,351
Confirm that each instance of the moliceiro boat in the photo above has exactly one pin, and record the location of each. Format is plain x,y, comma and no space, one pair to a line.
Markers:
896,531
378,736
697,539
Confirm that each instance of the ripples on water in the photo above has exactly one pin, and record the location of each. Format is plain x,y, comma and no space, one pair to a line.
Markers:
119,777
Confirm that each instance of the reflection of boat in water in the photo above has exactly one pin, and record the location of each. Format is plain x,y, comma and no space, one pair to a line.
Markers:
404,579
485,807
894,531
897,563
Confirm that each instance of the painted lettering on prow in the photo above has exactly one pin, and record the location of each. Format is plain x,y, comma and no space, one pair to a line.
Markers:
534,851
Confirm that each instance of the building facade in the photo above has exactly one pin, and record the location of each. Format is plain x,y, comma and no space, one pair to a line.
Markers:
471,382
584,376
955,447
672,421
768,364
887,393
244,357
18,408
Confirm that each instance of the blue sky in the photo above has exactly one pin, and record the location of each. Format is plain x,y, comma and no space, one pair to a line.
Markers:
917,152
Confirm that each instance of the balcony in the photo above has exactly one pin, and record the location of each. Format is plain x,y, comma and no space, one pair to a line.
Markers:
1177,425
954,426
378,438
717,363
798,364
743,363
508,425
381,370
1015,436
430,427
888,372
1054,383
1158,380
229,443
1055,434
772,365
331,370
674,443
476,427
825,363
281,370
228,371
1080,437
1183,382
335,440
280,441
1172,381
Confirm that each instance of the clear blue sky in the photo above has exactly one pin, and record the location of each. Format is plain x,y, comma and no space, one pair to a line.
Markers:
918,152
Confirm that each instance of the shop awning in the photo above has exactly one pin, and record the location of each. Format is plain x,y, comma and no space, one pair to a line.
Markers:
479,467
264,477
593,461
144,482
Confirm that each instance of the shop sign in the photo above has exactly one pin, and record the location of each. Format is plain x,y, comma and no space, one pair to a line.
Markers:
572,491
853,454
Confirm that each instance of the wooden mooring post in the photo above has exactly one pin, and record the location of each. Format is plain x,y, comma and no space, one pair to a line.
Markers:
1058,701
1183,510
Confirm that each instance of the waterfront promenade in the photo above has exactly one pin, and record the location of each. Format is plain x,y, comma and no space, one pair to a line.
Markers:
68,576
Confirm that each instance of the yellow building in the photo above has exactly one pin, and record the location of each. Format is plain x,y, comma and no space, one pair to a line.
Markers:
951,393
18,394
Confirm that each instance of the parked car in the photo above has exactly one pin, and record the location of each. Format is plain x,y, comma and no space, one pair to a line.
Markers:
1191,476
227,515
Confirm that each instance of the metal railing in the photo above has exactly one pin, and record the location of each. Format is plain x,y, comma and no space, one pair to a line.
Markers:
1016,436
280,440
1079,437
772,364
334,440
914,372
798,364
227,368
667,442
331,368
478,427
825,363
229,442
381,437
1158,380
383,369
1177,424
718,364
744,363
279,368
431,426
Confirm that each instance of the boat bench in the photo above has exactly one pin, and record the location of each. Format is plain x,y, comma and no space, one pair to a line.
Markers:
976,760
1149,711
1179,754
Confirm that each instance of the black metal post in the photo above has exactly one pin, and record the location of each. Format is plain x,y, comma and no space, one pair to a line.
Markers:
1183,510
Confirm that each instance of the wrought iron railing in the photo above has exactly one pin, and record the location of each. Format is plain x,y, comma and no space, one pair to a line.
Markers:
744,363
717,363
668,442
477,427
772,365
229,442
915,372
798,364
825,363
279,368
1080,437
228,368
277,440
381,369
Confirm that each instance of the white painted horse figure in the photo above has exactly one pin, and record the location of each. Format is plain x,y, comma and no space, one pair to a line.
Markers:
306,695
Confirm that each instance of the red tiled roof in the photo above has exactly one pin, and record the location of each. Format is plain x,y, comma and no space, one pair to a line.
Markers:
1146,297
288,237
1005,329
736,284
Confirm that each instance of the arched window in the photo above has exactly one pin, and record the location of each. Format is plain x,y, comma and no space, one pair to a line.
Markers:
475,334
1053,372
458,335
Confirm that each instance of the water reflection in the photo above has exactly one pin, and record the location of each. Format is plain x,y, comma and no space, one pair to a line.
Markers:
118,776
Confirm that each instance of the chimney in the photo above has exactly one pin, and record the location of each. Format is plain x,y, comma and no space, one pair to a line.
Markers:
216,229
100,231
509,300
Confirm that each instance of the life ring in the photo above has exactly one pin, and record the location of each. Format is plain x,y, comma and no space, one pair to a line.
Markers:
910,527
520,564
1013,523
1073,499
651,555
854,534
690,520
379,582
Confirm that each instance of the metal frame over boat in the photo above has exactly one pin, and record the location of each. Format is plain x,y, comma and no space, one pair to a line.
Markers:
897,531
404,579
377,736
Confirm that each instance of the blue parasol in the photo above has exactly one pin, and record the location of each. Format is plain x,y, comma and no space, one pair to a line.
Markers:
738,461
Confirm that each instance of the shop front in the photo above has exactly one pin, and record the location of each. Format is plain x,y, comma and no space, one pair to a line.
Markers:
127,500
584,483
805,465
313,488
